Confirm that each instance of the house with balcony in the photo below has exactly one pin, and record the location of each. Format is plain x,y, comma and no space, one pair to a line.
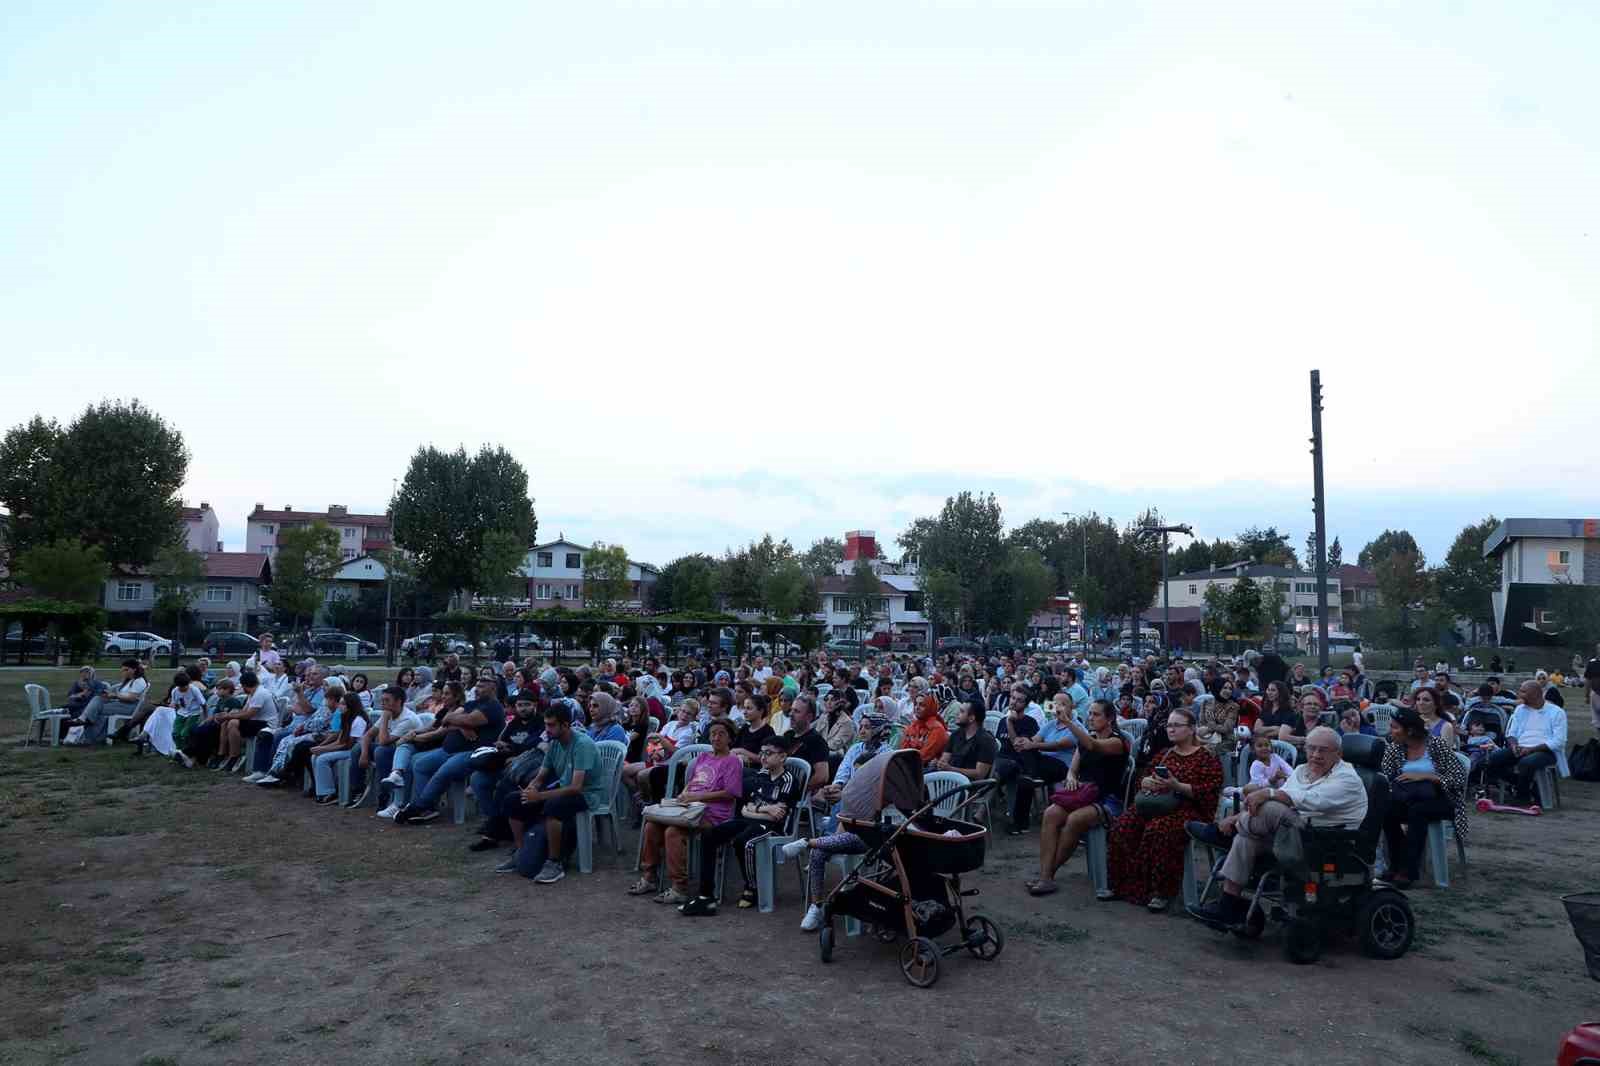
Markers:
228,596
1536,555
554,573
359,534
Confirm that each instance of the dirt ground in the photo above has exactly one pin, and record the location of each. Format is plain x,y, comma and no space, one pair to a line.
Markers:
157,916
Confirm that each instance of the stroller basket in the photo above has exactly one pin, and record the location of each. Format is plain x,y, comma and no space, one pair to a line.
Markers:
1583,911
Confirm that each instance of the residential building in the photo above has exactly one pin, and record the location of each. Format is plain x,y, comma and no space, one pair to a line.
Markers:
1537,554
1299,589
359,534
555,577
896,608
228,597
200,529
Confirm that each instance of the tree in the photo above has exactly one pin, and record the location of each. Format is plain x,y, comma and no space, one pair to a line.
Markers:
941,598
1408,615
742,575
687,584
605,576
177,571
1577,611
1268,546
1386,544
111,479
786,588
64,570
307,558
449,502
1467,580
965,540
498,569
1129,568
1335,556
823,557
864,593
1029,581
1246,608
1311,551
1214,618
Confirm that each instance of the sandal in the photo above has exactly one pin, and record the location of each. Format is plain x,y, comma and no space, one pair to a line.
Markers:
644,887
1041,888
747,899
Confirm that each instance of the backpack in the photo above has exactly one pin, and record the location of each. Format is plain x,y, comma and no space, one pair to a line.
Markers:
1584,760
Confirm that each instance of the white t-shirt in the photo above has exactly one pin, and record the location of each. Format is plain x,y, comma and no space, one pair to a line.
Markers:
403,724
763,673
135,687
1534,729
358,726
262,707
1356,658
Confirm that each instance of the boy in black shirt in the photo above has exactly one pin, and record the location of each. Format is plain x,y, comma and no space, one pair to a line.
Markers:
765,810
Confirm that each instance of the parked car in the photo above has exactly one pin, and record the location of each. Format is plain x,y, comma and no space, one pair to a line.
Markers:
334,643
999,645
429,644
38,643
845,647
133,642
958,645
223,642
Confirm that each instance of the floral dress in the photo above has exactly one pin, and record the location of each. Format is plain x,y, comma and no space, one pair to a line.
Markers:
1145,859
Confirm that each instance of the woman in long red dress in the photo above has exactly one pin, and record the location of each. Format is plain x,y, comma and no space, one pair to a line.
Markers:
1145,860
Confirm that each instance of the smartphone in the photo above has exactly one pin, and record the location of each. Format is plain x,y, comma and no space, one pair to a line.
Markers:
1163,772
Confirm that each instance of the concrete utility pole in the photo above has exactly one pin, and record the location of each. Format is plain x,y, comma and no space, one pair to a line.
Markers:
1319,509
1166,592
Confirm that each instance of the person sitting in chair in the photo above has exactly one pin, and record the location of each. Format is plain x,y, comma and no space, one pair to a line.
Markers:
1536,738
776,790
1324,788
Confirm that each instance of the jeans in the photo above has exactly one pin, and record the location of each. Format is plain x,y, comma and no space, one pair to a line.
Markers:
1041,765
432,774
482,783
535,844
95,714
325,769
1506,765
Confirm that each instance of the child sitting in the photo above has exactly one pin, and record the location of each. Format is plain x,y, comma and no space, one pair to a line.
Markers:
1479,743
1267,768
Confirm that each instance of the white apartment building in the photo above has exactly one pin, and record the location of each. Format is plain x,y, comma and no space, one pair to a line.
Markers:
1535,555
359,534
1299,590
555,576
201,532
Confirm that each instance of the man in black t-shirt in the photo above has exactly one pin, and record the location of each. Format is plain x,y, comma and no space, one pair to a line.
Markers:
971,751
477,724
806,743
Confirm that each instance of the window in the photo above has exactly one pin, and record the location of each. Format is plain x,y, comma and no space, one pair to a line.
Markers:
1556,557
914,602
1194,590
219,593
129,590
349,533
546,559
1305,587
541,592
574,561
348,553
268,528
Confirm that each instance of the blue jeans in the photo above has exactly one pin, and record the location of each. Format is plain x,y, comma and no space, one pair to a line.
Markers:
433,772
325,768
483,784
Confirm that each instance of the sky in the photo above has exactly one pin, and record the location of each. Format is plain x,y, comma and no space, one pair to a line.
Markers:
714,270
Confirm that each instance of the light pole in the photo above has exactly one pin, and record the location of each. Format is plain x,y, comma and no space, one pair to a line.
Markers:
1084,577
1166,592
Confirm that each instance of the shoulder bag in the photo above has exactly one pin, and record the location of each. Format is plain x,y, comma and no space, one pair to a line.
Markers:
672,813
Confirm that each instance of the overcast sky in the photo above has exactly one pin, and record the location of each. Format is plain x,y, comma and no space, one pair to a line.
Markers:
711,270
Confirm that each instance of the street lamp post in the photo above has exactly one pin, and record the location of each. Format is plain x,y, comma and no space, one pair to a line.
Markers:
1166,591
1083,621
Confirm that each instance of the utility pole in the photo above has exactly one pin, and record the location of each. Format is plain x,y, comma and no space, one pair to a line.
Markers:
1319,509
1083,620
1166,591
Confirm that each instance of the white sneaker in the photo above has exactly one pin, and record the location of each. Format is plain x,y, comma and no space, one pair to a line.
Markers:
251,779
267,779
397,779
813,918
793,849
389,811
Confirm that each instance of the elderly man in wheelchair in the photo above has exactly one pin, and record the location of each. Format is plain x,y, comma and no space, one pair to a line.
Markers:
1308,848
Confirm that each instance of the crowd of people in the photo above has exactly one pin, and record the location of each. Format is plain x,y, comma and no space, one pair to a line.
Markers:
1144,750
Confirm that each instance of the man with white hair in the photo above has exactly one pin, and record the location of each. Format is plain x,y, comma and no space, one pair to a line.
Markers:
1536,739
1324,788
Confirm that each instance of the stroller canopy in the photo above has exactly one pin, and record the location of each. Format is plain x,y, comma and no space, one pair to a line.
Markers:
889,779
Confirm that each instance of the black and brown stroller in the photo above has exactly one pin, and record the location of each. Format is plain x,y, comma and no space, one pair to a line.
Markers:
908,883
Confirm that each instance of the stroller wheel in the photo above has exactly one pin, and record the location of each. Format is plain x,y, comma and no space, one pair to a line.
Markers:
1385,924
983,938
919,961
825,941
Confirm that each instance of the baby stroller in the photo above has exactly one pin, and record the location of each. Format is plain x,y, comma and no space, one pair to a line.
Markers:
909,881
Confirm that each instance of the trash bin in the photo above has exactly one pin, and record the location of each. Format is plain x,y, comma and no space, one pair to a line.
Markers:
1583,911
352,650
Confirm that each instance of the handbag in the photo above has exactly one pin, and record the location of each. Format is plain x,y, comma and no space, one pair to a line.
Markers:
1155,804
487,759
673,813
1070,799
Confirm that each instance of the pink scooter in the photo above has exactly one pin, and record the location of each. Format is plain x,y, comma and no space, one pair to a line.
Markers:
1484,807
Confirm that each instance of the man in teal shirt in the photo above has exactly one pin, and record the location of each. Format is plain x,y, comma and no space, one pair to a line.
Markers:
573,764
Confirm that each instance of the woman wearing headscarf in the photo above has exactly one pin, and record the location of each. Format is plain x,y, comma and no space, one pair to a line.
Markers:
421,686
872,736
84,689
603,724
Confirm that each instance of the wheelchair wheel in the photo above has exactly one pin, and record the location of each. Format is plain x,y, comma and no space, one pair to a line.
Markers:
919,961
825,942
983,938
1385,924
1303,941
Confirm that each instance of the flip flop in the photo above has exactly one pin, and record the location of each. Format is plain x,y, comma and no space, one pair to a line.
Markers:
1041,888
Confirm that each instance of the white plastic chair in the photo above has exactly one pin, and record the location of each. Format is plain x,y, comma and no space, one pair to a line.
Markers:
1134,727
1095,840
767,855
114,721
991,722
41,717
938,784
1442,831
611,756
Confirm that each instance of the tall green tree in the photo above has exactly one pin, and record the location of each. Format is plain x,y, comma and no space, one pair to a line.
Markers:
605,577
1408,615
110,478
64,570
965,540
1386,544
687,584
1246,608
1467,580
498,570
449,502
823,557
941,599
178,573
307,558
1335,556
1029,582
789,590
1130,569
1214,618
1267,546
